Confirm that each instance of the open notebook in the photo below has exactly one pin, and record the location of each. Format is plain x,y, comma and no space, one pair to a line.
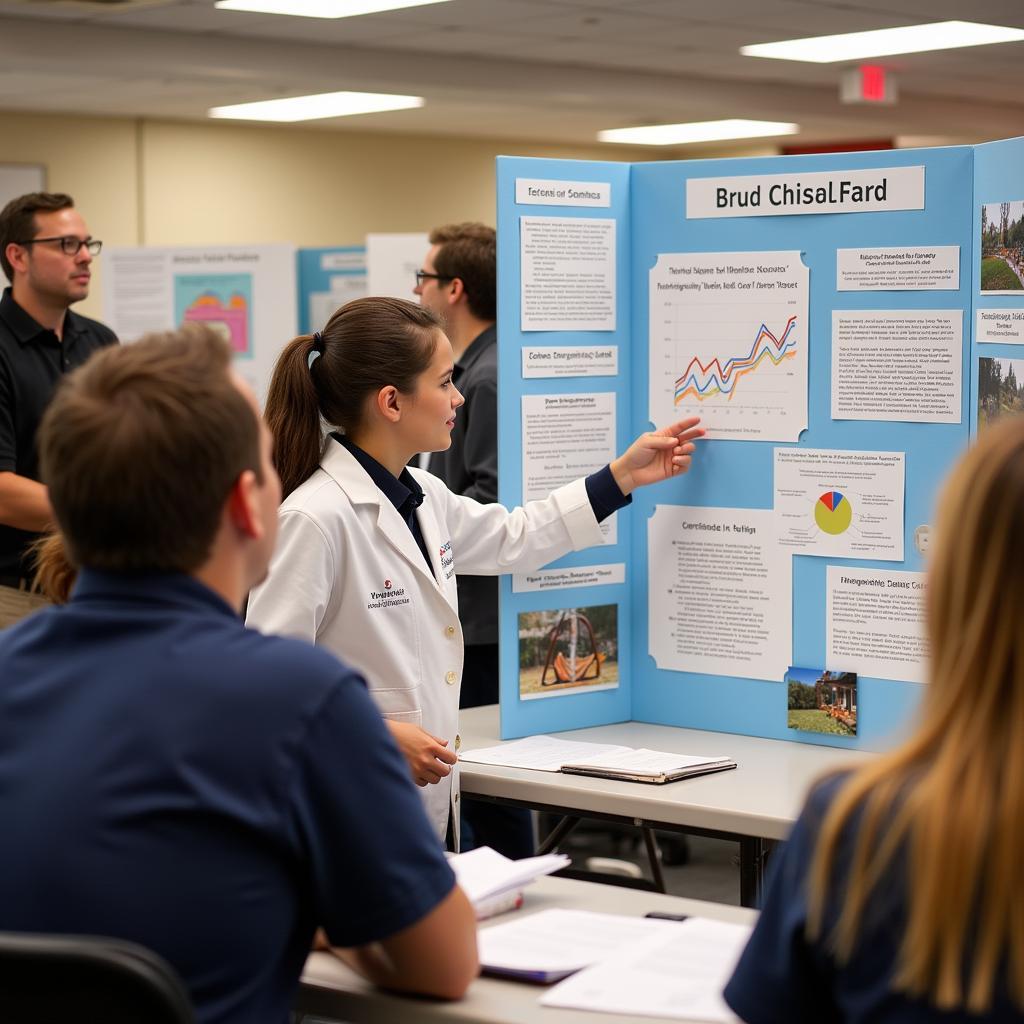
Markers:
606,761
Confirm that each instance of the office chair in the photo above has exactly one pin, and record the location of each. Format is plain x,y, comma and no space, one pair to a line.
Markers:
49,979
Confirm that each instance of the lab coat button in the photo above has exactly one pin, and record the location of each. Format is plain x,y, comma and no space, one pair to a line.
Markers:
449,630
450,678
458,742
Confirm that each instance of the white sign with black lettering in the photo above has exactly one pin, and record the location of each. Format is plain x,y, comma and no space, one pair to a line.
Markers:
544,192
903,269
571,361
777,195
573,576
1000,326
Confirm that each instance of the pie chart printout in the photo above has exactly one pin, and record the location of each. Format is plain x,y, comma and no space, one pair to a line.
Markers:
832,513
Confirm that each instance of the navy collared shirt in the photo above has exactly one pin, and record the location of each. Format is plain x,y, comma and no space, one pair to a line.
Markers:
406,495
32,362
169,777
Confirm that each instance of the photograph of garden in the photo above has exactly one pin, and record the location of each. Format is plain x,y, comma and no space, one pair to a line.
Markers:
1000,389
822,701
568,650
1002,241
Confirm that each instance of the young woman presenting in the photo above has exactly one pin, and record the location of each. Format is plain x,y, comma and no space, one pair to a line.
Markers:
368,547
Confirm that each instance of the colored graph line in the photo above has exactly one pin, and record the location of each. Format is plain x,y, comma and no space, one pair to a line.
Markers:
702,382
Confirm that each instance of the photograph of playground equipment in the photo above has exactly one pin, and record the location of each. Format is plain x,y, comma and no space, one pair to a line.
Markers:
1000,389
1002,247
568,650
822,701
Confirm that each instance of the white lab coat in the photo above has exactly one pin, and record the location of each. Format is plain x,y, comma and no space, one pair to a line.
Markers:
347,574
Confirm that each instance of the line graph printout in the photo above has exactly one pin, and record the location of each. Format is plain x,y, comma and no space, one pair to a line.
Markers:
728,343
719,592
839,503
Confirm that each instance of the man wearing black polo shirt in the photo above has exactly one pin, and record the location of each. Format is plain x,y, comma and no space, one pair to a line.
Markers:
45,251
168,776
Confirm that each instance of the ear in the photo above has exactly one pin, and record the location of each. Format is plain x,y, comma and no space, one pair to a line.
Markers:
17,256
389,403
242,506
456,291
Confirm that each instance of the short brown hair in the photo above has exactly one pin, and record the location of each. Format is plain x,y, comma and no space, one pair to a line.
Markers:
140,448
18,220
470,253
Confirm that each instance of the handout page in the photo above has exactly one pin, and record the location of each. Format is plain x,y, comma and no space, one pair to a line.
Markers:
553,943
679,974
543,753
483,872
646,762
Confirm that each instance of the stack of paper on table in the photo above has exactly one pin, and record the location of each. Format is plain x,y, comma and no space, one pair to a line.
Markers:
678,974
494,883
552,944
608,761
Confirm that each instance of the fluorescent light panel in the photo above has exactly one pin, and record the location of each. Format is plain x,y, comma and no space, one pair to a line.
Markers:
697,131
309,108
942,35
321,8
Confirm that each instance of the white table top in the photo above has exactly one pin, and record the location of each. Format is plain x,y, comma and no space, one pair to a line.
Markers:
761,797
331,989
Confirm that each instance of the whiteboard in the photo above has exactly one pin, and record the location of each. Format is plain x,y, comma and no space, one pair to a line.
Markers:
17,179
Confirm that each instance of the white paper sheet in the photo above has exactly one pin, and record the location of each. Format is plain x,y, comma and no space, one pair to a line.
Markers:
902,269
847,504
719,592
566,437
678,974
899,365
642,761
484,873
558,941
728,343
875,623
541,753
568,273
392,261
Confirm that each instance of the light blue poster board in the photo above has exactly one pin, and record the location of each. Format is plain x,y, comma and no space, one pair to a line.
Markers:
328,278
648,203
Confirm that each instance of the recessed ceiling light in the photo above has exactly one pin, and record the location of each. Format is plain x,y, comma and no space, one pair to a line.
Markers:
308,108
321,8
942,35
697,131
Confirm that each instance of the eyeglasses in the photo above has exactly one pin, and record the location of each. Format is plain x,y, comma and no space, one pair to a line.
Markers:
69,244
422,275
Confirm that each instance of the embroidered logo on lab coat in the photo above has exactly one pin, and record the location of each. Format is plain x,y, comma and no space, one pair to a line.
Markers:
389,597
447,560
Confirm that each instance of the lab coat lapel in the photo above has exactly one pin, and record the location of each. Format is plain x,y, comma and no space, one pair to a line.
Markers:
342,467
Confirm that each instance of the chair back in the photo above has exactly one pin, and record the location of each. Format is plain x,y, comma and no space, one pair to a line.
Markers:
50,979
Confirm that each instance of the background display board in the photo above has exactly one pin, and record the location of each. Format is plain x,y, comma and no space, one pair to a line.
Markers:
820,314
327,279
247,293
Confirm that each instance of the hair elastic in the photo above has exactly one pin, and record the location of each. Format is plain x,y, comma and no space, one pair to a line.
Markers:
317,350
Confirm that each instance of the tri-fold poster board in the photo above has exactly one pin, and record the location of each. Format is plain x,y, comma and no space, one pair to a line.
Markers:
841,323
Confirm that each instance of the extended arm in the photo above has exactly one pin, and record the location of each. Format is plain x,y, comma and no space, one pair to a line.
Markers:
24,503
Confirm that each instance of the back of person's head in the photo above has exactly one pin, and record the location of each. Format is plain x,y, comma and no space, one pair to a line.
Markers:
469,252
140,448
368,344
18,220
951,799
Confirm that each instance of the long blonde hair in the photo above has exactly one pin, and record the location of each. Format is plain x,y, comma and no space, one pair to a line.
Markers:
952,797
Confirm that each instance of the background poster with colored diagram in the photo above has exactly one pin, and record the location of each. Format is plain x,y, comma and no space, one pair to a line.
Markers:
222,302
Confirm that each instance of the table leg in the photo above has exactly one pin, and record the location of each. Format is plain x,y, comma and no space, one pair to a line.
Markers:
652,855
753,860
557,834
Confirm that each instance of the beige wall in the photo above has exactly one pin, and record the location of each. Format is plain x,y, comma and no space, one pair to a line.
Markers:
176,183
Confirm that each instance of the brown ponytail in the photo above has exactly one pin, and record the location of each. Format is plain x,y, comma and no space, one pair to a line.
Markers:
367,344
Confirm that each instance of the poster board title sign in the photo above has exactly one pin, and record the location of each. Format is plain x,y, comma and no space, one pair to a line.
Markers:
774,195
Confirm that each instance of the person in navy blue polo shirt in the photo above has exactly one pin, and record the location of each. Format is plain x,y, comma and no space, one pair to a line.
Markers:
170,777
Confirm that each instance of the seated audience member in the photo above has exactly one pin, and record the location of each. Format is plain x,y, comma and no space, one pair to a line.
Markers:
170,777
898,897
